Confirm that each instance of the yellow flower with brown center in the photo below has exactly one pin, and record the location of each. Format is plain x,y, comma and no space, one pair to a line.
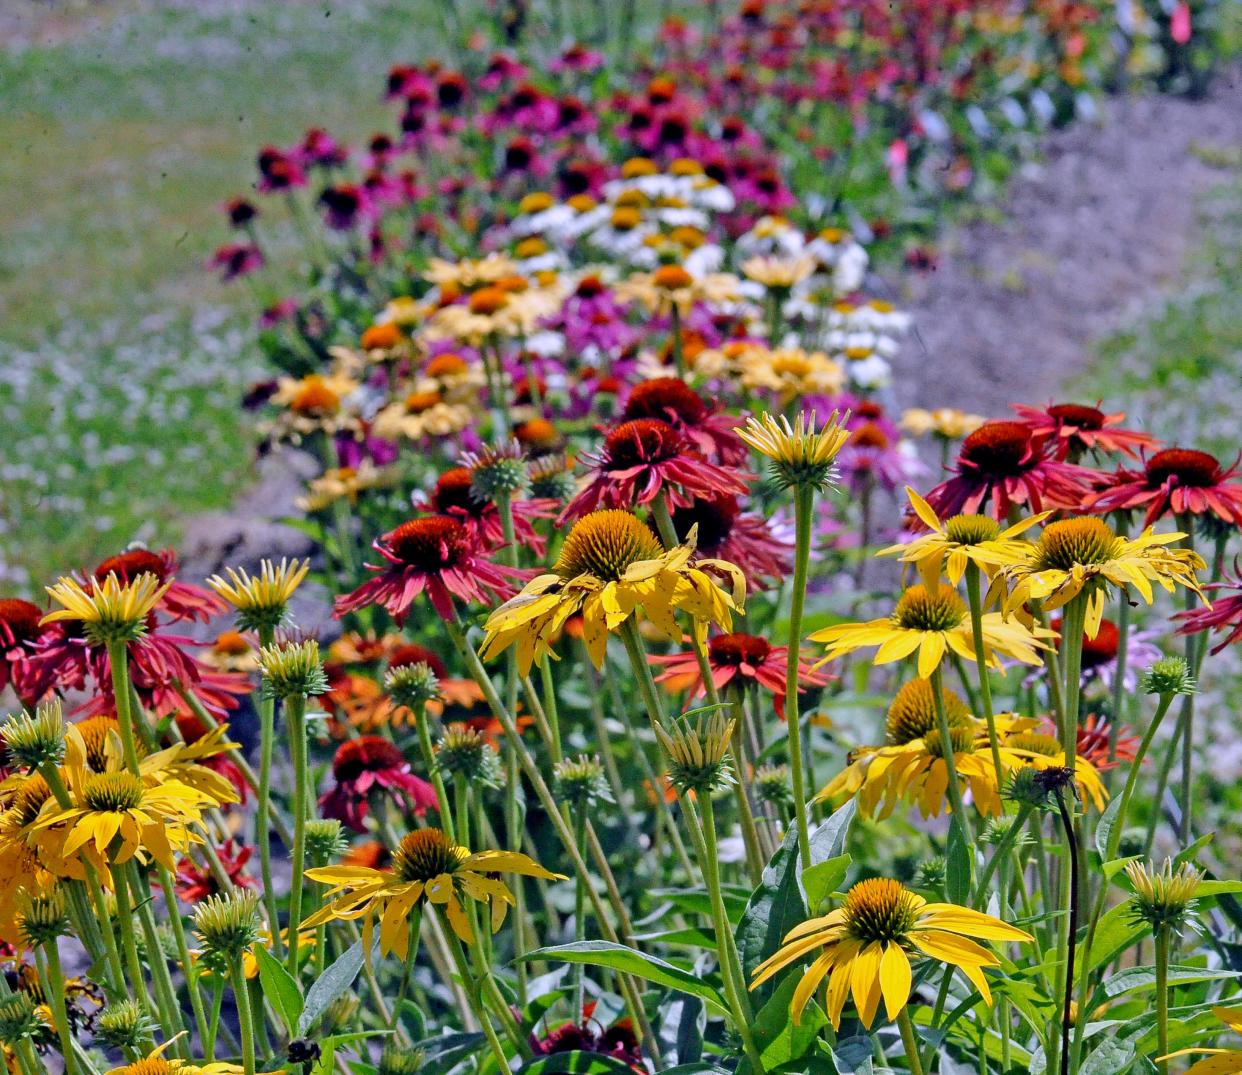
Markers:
611,568
427,868
933,622
1083,555
864,948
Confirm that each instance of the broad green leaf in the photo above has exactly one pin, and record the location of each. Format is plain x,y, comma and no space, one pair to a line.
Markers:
330,985
280,989
823,879
629,961
1104,827
957,865
853,1055
1115,933
1143,977
444,1052
1111,1057
778,1038
1218,888
690,937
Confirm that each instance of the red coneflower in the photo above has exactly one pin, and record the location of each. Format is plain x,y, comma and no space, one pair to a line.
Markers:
1073,429
366,764
1176,481
642,458
20,668
453,495
673,401
1224,613
741,538
437,554
196,883
1093,735
1002,465
181,601
741,659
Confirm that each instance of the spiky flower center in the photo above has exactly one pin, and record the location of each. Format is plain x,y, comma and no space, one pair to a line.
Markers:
1034,743
604,544
29,800
1183,466
447,365
880,909
642,442
971,529
151,1066
430,544
999,450
112,792
665,397
129,565
921,609
739,649
1072,542
366,754
962,740
1079,415
913,712
425,855
453,490
488,300
671,278
19,620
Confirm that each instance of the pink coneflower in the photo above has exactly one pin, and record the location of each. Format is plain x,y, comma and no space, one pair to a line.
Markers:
278,171
437,554
453,496
1094,733
236,260
181,601
1002,465
240,212
20,632
673,401
344,205
739,659
1176,481
742,538
643,458
319,149
873,455
1074,429
369,764
1223,615
577,58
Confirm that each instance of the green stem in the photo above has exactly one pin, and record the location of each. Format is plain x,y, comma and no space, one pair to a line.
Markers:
183,950
60,1011
262,825
245,1015
1162,996
1119,678
407,969
985,686
295,715
129,946
909,1041
428,753
804,502
679,355
998,855
165,993
476,1002
950,764
118,661
580,820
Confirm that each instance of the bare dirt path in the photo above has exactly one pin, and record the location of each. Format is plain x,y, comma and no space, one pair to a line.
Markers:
1084,241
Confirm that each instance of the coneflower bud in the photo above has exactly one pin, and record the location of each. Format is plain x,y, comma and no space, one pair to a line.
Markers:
497,472
325,840
580,781
1029,787
1169,675
552,476
36,740
19,1021
698,753
931,875
1165,896
292,669
771,784
42,919
124,1025
465,754
228,925
261,601
412,685
398,1060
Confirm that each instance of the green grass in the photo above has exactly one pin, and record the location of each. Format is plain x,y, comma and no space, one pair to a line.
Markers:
120,360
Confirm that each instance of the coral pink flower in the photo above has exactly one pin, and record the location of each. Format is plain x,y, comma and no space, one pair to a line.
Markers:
1074,429
452,496
1176,481
742,538
1224,614
372,763
20,667
196,883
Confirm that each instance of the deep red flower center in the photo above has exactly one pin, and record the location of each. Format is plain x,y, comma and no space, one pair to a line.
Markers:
411,653
1076,414
1184,466
869,409
714,519
870,435
366,754
430,544
453,491
738,648
19,620
644,441
665,396
129,565
589,287
999,450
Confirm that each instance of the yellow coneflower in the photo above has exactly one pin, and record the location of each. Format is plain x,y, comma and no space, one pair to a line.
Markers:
1041,751
933,622
261,600
111,610
801,453
155,1063
426,867
776,272
612,567
1217,1061
864,948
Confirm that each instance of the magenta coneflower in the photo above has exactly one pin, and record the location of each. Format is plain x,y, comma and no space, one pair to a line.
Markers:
1223,615
673,401
369,764
739,659
1074,429
437,554
742,538
453,496
645,457
1002,465
20,631
1176,481
236,259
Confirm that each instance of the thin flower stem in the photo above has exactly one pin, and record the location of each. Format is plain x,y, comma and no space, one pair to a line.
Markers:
245,1015
909,1041
580,820
1000,853
183,950
407,967
1119,676
118,662
433,772
1187,718
295,715
129,946
950,763
985,686
1162,996
476,1002
56,1001
1066,947
165,993
262,828
804,502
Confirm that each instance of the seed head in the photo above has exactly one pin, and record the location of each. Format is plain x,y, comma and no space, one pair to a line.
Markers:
463,753
412,685
124,1025
498,472
325,840
1165,896
19,1021
580,781
771,784
42,919
1169,675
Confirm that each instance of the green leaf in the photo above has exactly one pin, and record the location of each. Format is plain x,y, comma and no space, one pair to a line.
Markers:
681,1026
280,988
957,865
628,961
330,985
1114,934
1142,977
1111,1057
1218,888
823,879
853,1055
1104,827
444,1052
579,1062
690,937
778,1038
